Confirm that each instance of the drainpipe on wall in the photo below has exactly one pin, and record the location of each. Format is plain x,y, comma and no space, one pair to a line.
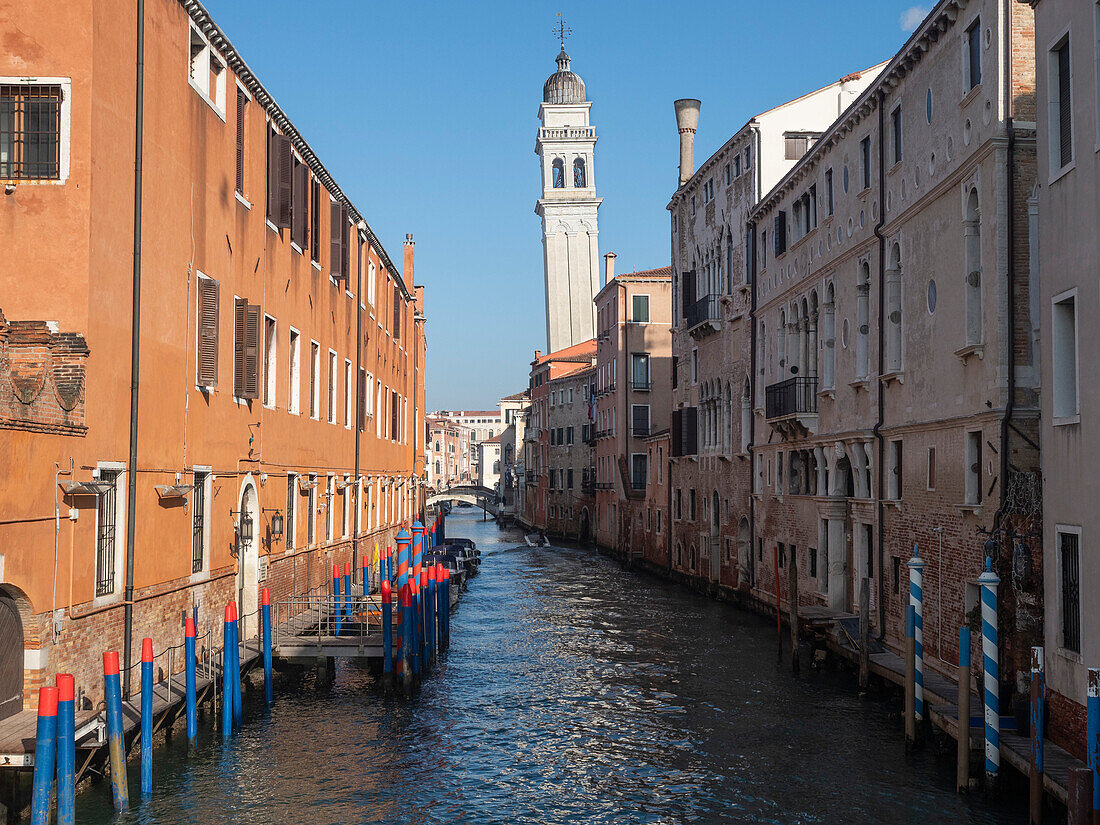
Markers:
360,411
879,464
750,250
135,351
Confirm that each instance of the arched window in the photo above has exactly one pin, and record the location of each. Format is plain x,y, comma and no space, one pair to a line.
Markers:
746,417
973,233
829,361
580,180
558,174
781,342
863,319
893,311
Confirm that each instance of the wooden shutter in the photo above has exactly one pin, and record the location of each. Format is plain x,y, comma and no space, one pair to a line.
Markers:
689,439
242,102
240,319
677,433
252,352
285,182
207,370
272,176
396,312
687,300
780,234
345,244
337,233
300,205
362,398
315,222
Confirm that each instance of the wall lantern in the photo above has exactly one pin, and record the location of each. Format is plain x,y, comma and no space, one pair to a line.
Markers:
276,522
244,527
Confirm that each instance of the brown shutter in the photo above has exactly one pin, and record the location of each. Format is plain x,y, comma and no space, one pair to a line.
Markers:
362,398
345,244
396,312
677,433
252,352
315,222
207,371
690,437
285,175
242,102
337,234
299,208
272,176
240,319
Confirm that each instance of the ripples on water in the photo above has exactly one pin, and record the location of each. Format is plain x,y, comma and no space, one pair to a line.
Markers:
572,693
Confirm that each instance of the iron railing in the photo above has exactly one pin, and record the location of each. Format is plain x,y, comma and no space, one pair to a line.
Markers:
705,309
791,397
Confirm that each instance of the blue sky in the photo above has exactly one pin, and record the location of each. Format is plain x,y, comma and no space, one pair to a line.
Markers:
426,113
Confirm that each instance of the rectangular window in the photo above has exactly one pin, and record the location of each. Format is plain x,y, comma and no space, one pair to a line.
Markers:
347,394
1069,557
331,387
869,549
246,349
1060,96
30,132
813,562
315,222
198,522
106,514
206,71
398,306
394,413
344,499
795,146
242,107
569,436
828,191
569,478
1064,358
299,203
973,57
748,157
330,502
865,163
974,468
737,165
639,416
280,173
270,353
294,362
895,124
638,471
691,504
206,369
679,504
639,371
314,379
338,240
894,481
291,501
728,176
895,562
311,515
931,468
640,309
781,554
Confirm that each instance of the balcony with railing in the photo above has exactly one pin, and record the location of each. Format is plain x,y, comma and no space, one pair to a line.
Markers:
703,316
792,404
641,384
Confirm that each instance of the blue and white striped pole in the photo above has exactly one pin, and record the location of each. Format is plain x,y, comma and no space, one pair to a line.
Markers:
916,598
989,582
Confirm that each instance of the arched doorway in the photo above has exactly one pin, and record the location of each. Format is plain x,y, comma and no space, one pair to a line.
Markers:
715,541
11,657
584,531
248,557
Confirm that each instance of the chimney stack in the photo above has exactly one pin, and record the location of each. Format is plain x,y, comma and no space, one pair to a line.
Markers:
410,248
608,267
687,120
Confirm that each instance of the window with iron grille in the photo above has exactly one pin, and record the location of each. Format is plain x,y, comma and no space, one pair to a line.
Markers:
30,132
1069,550
105,534
291,500
198,522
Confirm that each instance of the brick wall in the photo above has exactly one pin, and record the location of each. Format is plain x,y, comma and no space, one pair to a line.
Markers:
41,378
1066,723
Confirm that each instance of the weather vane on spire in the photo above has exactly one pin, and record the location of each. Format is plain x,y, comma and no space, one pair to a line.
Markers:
562,31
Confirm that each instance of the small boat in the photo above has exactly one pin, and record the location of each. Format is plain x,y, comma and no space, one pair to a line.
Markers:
451,562
536,540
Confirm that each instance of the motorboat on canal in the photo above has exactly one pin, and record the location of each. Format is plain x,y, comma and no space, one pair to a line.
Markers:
455,568
536,540
466,552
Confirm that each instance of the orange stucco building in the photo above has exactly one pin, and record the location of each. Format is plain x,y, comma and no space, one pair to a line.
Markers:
280,351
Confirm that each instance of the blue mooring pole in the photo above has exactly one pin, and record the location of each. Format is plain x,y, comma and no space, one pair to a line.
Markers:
45,750
66,749
189,679
1038,693
991,682
387,633
1092,745
146,717
348,609
429,613
265,611
337,610
227,673
112,690
236,630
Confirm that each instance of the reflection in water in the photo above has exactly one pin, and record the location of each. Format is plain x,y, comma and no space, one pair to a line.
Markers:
572,693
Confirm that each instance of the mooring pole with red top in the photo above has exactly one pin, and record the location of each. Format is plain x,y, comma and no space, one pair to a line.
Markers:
45,751
387,634
445,605
413,617
146,717
66,749
227,673
347,592
190,692
236,651
429,615
406,638
338,612
116,747
265,617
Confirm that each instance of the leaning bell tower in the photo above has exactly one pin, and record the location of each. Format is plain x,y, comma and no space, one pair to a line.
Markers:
566,144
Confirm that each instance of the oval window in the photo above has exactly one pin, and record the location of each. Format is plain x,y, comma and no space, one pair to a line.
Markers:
844,334
928,105
931,296
845,178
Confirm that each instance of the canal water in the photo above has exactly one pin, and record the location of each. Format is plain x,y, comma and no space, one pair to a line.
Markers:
572,693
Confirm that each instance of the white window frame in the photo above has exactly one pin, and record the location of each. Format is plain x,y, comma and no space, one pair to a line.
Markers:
648,308
315,380
294,372
333,384
121,485
349,396
1070,529
330,502
271,361
207,494
198,72
65,128
1054,159
1074,417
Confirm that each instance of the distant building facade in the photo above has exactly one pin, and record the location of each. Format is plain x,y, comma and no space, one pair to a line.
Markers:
448,453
